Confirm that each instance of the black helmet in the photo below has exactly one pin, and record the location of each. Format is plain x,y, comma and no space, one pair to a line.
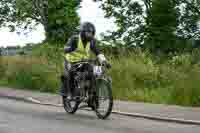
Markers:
88,27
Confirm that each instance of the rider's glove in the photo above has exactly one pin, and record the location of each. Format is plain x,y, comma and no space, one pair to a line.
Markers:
106,64
103,61
101,58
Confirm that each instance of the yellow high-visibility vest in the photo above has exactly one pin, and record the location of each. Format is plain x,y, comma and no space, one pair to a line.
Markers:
80,52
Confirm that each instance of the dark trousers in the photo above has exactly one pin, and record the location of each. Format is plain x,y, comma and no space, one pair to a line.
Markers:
66,79
68,75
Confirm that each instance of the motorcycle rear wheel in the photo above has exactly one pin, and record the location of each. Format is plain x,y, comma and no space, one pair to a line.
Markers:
70,106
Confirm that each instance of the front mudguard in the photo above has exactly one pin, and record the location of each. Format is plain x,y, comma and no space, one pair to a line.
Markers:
108,80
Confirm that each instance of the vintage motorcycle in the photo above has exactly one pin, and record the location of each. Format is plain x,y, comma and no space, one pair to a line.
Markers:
91,87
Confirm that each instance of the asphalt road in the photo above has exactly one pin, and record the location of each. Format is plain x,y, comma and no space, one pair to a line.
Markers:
20,117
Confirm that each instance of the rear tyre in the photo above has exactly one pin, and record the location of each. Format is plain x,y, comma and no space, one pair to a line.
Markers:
70,106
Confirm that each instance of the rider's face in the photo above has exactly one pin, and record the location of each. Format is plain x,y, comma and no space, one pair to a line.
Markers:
89,35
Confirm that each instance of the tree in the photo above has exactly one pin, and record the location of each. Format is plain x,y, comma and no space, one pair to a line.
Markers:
133,19
189,17
129,18
63,19
7,13
162,26
59,17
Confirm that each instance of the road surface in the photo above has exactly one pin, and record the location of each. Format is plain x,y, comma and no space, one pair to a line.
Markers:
20,117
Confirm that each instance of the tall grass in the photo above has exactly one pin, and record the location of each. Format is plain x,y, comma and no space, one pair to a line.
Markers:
140,77
137,76
29,73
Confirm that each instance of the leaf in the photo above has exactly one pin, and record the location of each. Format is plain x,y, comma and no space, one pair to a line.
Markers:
11,28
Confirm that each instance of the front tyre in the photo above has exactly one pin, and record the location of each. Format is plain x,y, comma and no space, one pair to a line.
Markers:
104,98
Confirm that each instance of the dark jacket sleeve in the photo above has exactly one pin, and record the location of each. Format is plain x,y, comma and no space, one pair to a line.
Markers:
71,44
94,48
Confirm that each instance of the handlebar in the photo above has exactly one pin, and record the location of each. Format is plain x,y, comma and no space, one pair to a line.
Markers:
86,61
105,64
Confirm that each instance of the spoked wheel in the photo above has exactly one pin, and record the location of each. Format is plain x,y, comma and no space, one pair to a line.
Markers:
70,106
104,99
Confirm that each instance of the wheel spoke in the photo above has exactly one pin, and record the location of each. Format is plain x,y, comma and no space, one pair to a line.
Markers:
70,106
104,99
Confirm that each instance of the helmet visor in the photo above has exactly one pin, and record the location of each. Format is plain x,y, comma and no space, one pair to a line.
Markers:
89,35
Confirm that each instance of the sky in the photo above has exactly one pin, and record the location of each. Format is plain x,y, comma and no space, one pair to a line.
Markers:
90,11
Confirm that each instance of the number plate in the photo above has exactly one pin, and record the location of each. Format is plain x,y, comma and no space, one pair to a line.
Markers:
97,70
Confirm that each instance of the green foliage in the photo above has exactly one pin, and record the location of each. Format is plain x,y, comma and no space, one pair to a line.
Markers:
54,54
162,25
30,73
59,17
137,76
189,16
128,18
21,52
7,12
174,81
62,19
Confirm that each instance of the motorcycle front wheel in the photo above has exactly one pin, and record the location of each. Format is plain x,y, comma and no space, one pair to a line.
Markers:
104,98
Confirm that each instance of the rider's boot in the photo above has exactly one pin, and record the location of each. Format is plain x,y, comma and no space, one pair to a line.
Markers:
62,88
65,89
62,91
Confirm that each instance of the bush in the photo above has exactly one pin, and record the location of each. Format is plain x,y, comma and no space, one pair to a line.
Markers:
137,75
30,73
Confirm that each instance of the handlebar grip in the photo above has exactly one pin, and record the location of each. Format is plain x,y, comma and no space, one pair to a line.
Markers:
107,65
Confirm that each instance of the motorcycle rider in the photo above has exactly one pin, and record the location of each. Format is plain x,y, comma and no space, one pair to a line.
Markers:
79,47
